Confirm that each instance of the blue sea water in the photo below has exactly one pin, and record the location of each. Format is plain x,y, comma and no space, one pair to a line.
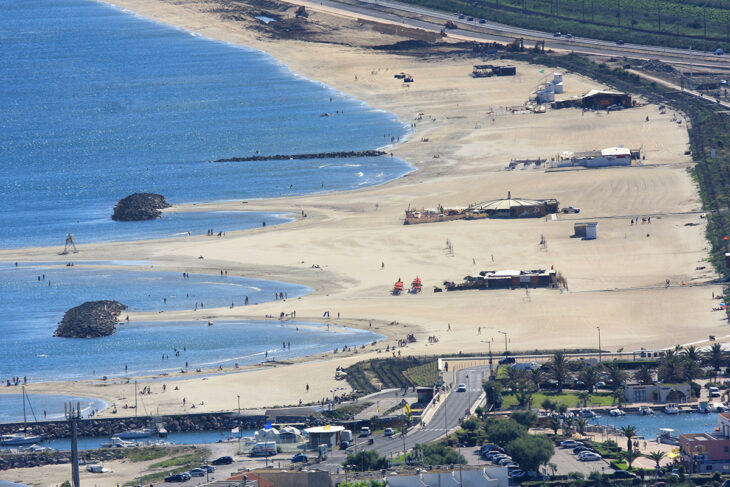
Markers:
30,317
11,406
97,103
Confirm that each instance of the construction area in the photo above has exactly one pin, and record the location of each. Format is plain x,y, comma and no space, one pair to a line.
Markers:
500,208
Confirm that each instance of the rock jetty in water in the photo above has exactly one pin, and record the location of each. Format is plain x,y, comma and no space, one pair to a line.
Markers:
89,320
139,206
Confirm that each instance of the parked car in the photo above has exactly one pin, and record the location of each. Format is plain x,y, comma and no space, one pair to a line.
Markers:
484,449
719,51
589,456
505,461
506,360
623,474
461,388
578,449
570,444
222,461
208,468
571,209
197,472
300,457
178,477
388,432
517,474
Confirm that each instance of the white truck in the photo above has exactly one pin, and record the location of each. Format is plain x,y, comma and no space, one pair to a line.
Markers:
263,449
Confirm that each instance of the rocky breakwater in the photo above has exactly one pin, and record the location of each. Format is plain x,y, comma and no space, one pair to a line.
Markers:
90,320
139,206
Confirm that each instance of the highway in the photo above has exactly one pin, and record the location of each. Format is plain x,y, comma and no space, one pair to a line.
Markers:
432,20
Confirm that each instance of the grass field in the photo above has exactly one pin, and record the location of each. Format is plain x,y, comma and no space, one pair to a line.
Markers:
191,458
570,399
701,24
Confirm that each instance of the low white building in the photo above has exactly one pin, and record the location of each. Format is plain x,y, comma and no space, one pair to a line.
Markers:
611,156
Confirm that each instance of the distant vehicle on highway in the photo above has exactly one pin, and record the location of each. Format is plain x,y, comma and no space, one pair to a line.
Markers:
620,42
557,34
482,21
470,19
719,51
388,432
506,360
461,388
461,16
568,36
364,431
344,445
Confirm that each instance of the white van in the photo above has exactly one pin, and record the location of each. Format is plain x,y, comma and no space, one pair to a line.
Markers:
714,392
346,435
263,449
364,431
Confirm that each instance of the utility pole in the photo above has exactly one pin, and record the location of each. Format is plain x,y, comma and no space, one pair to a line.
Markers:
73,414
599,344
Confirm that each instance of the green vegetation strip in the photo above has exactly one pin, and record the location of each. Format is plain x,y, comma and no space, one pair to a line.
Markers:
193,458
702,24
570,399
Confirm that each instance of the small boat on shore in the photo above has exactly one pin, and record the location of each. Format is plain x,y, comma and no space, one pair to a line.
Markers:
716,407
616,412
645,411
134,434
671,408
19,439
117,442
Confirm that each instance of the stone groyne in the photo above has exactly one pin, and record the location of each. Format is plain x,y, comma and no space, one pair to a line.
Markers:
317,155
139,206
90,320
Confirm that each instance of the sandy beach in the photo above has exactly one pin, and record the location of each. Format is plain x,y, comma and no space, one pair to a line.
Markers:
353,246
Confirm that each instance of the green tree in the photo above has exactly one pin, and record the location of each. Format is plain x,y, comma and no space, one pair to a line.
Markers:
617,375
716,357
525,418
366,460
440,454
531,451
501,430
537,376
470,424
618,396
589,376
692,354
493,391
630,456
521,386
548,405
583,397
558,369
554,424
656,457
562,408
629,432
580,424
671,366
643,375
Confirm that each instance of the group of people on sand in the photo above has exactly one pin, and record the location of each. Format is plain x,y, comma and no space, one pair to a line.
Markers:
211,233
16,381
635,221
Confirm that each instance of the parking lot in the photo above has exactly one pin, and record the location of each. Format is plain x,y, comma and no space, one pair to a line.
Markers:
566,462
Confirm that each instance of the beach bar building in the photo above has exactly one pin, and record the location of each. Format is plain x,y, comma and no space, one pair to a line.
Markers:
324,435
602,99
516,207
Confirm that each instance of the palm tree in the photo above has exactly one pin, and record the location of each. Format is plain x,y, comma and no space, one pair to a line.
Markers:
583,397
618,396
656,457
643,375
568,426
630,456
589,376
692,354
616,374
629,431
554,424
580,424
537,376
715,356
558,369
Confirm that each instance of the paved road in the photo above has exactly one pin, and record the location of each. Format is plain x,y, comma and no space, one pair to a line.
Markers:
433,20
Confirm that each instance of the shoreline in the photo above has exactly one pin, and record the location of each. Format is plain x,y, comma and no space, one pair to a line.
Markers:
459,159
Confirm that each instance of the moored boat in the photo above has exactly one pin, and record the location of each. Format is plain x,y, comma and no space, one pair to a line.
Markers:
671,408
18,439
137,433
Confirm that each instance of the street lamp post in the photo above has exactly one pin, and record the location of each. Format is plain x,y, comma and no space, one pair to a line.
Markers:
599,343
239,404
505,340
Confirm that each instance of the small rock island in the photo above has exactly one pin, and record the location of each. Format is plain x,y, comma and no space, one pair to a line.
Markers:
139,206
89,320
